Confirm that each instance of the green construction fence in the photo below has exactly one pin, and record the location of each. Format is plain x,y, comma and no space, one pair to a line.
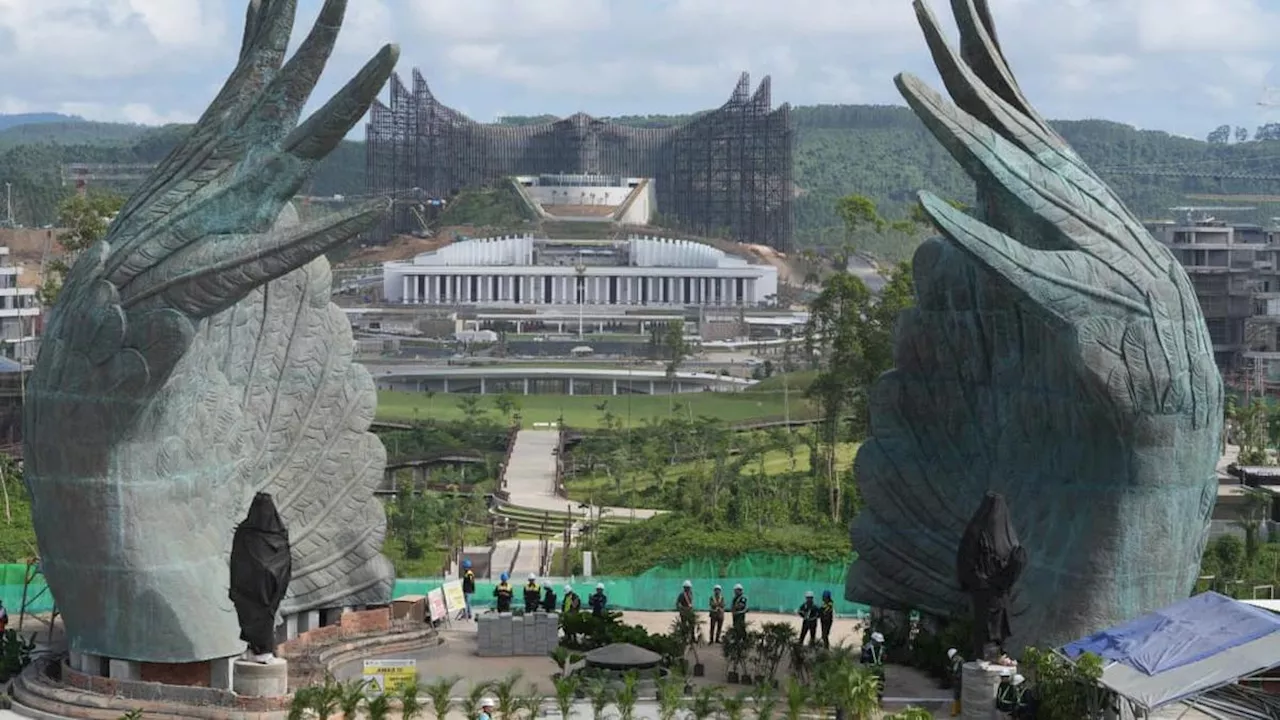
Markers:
772,584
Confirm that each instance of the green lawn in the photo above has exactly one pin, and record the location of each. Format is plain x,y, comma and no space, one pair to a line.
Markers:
580,410
776,462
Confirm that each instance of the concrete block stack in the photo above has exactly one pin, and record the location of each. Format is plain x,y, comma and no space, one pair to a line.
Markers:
506,635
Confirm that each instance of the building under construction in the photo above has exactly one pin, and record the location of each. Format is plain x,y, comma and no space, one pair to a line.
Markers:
725,172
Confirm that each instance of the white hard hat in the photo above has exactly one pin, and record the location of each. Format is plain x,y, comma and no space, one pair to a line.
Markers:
688,584
877,637
599,586
808,593
532,577
716,587
1018,679
487,702
738,586
568,588
951,653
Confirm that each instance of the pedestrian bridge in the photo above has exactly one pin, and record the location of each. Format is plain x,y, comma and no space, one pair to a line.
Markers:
548,380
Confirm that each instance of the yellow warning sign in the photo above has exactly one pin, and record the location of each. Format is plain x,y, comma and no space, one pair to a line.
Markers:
390,675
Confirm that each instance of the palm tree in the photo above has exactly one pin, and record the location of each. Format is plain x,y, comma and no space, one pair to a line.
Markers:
378,707
670,695
352,696
326,698
440,693
476,695
627,696
766,700
601,696
705,704
853,691
504,691
566,693
734,707
411,705
303,699
797,699
530,704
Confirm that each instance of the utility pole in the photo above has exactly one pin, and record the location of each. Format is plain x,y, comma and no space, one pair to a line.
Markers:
8,202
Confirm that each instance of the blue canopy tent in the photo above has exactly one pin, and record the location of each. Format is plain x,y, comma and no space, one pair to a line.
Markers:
1191,647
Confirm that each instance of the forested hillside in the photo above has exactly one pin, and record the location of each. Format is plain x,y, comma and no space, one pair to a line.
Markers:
883,152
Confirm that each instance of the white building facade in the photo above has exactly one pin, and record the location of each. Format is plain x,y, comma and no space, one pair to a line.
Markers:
19,314
527,271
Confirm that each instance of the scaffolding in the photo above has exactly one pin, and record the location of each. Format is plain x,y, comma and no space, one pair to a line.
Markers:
727,171
30,599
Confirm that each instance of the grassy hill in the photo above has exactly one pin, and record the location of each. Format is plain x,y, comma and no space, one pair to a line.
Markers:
880,151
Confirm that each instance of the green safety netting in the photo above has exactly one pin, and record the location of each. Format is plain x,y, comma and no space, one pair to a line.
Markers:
12,580
758,565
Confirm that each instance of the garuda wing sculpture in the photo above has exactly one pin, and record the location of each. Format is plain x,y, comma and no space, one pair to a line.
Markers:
1056,355
194,359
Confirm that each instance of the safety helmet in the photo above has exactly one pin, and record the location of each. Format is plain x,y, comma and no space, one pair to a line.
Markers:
826,594
599,586
808,594
487,703
716,588
532,577
1018,679
568,588
877,637
466,564
688,584
951,653
504,577
737,588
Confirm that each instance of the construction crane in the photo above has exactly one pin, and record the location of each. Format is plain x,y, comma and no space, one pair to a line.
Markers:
82,173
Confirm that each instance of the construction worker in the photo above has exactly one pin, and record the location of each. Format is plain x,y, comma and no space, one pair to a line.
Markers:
827,617
684,606
503,593
716,614
809,619
873,655
739,609
548,599
598,601
468,588
572,603
486,709
956,661
1013,699
532,594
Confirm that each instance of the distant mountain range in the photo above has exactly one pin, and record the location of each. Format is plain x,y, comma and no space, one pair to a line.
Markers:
883,152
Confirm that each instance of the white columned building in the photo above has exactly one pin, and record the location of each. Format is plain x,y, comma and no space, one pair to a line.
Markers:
640,271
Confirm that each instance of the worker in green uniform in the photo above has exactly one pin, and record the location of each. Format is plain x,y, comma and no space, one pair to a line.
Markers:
873,655
739,609
532,594
956,661
572,603
1014,700
598,601
808,619
717,613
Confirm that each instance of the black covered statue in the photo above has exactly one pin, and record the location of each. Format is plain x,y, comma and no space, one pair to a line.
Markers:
988,564
261,568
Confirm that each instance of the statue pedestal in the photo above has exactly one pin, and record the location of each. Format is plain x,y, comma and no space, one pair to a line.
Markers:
252,679
978,689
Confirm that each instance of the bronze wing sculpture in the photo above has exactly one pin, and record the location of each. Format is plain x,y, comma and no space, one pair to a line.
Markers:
1056,355
194,359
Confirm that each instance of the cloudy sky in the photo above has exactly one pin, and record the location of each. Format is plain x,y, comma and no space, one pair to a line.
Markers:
1184,66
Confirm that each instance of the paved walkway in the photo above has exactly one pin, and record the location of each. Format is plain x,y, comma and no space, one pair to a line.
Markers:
531,476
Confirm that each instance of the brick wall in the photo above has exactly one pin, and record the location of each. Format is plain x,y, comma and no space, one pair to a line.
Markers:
150,691
196,674
357,622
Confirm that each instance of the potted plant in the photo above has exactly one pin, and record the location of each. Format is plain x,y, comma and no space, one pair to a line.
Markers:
601,695
776,639
735,652
670,696
504,691
440,693
766,696
627,696
411,705
566,692
351,698
565,659
705,703
757,660
686,631
852,690
378,707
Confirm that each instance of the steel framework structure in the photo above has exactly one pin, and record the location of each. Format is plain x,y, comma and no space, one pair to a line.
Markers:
723,172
